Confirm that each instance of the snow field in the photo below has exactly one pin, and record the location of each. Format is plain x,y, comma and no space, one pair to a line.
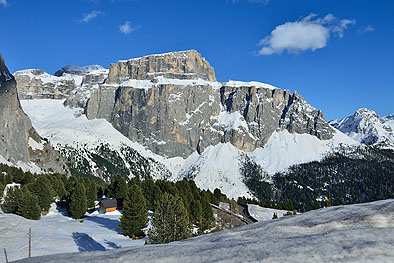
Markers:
353,233
57,233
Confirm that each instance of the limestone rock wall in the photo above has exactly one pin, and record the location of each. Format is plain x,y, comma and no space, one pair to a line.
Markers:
175,65
16,130
180,117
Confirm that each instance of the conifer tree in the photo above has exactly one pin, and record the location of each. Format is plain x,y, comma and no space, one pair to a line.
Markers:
207,215
59,191
118,187
41,187
91,194
135,215
196,211
170,221
12,200
148,189
28,206
2,186
78,202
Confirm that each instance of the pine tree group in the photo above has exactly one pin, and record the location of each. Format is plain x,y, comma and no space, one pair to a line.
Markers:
170,221
135,215
41,187
28,206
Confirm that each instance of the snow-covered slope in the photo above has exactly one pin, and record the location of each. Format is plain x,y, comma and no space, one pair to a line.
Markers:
72,133
263,214
353,233
368,128
57,233
216,167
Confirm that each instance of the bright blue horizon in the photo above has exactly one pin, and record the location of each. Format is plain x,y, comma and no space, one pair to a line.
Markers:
335,74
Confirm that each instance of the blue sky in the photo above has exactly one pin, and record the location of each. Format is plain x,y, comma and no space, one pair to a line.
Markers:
339,55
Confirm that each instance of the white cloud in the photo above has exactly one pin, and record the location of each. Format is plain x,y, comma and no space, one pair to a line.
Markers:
342,25
309,33
87,17
3,2
368,28
126,28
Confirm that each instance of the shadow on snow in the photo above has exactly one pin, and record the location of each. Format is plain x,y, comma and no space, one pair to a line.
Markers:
105,222
86,243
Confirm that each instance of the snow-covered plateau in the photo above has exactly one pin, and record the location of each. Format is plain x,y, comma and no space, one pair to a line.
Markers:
352,233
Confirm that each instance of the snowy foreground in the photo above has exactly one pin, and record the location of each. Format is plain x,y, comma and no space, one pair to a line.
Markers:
57,233
354,233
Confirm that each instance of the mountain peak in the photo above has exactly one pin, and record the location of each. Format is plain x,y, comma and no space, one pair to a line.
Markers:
363,111
188,64
78,70
367,127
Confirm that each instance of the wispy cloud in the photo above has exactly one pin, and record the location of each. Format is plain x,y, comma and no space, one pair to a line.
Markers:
89,16
366,29
126,28
3,2
309,33
264,2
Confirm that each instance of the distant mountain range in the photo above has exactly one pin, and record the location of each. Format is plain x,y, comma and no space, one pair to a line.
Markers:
166,116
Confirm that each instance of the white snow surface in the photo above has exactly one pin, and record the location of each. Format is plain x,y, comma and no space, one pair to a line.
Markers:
232,121
35,145
84,69
30,166
285,149
263,214
354,233
68,126
367,127
237,84
160,80
57,233
217,167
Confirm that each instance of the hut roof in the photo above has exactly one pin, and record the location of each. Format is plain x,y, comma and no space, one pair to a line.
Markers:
108,203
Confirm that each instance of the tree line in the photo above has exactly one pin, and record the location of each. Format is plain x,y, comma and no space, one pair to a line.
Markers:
364,175
178,207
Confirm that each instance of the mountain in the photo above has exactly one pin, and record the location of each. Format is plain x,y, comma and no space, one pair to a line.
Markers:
167,116
74,83
368,128
19,142
351,233
172,104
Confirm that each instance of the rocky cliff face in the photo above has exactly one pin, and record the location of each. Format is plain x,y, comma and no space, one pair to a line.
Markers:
174,65
172,104
19,142
37,84
73,83
14,123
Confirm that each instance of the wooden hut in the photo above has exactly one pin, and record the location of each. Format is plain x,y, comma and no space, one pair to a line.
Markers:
110,205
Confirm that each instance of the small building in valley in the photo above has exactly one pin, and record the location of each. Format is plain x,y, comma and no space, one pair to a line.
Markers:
110,205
